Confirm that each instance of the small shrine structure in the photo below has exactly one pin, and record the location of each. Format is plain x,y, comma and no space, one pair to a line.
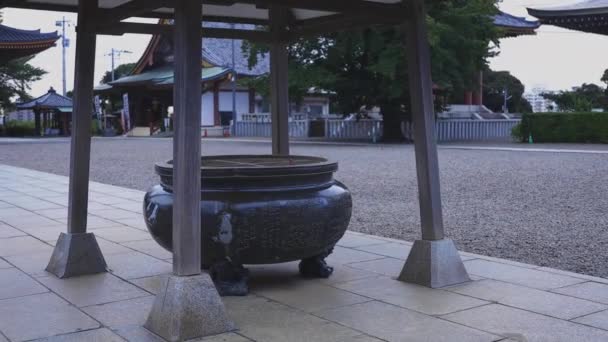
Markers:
52,113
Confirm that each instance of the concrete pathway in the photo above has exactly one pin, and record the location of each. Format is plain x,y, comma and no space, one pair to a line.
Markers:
360,302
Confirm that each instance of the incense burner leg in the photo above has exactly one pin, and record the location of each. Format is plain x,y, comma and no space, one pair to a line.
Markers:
316,266
230,278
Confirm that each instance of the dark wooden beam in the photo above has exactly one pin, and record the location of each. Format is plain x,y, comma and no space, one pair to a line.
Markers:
9,3
338,6
235,20
132,8
149,14
341,22
141,28
74,9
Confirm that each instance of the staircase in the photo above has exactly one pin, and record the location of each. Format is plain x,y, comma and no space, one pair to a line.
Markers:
215,131
139,131
468,112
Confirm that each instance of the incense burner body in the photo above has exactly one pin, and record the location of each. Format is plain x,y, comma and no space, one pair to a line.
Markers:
258,209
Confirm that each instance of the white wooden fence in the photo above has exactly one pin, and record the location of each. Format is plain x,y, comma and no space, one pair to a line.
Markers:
354,130
297,129
371,130
474,130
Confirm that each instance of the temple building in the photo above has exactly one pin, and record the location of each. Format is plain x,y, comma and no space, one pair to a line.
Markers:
52,113
149,87
587,16
15,43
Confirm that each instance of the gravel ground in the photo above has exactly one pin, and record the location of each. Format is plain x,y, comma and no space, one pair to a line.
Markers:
542,208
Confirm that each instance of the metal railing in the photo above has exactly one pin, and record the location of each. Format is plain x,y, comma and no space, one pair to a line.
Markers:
468,130
372,130
471,130
354,130
297,129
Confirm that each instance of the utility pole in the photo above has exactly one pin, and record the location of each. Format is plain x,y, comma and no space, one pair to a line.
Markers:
114,54
65,43
506,97
233,84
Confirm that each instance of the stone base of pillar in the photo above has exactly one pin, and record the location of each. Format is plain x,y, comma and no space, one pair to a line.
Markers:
187,308
76,255
434,264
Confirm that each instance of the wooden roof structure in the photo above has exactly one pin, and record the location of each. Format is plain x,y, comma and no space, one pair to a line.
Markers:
50,100
588,16
515,26
16,43
304,17
188,305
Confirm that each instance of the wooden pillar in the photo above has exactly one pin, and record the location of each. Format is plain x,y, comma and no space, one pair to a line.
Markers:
36,122
44,121
478,94
468,97
423,116
251,96
433,261
187,139
216,104
279,94
80,152
77,253
187,306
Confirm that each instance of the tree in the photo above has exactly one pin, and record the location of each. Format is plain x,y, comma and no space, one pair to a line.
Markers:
16,77
120,71
580,99
495,82
604,78
368,67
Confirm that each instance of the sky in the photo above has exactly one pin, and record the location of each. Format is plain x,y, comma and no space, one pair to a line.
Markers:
554,59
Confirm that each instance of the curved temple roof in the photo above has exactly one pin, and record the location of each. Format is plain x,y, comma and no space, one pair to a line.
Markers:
515,26
587,16
162,77
16,43
50,100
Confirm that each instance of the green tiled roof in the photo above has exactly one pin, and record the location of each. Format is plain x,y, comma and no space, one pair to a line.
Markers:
162,77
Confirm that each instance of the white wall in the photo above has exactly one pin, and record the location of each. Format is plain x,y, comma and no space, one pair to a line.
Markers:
207,109
242,102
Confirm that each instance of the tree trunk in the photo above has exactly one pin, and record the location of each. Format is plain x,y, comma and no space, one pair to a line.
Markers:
392,117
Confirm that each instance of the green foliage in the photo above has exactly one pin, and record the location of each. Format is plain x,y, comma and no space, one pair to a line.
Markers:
16,77
369,67
517,133
16,128
95,127
580,99
494,84
120,71
565,127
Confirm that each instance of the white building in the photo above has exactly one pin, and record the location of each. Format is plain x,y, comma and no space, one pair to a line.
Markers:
538,102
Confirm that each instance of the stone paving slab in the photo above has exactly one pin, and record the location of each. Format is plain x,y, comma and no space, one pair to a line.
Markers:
525,325
361,302
41,315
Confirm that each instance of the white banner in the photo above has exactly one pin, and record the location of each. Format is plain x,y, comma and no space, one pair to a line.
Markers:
126,117
98,112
